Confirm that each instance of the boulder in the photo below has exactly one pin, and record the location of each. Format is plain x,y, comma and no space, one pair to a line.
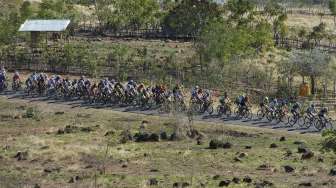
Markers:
224,183
248,147
282,139
21,155
332,172
305,184
109,133
302,149
153,182
163,136
307,155
247,179
236,180
288,169
273,145
242,155
154,137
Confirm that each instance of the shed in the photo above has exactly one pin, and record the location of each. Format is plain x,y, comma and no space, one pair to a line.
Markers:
35,27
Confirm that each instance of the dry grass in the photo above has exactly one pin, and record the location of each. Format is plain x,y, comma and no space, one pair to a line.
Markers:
85,155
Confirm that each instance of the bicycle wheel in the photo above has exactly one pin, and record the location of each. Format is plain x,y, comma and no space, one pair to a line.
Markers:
248,115
319,124
301,121
292,121
228,113
284,119
329,124
210,109
269,116
260,115
219,111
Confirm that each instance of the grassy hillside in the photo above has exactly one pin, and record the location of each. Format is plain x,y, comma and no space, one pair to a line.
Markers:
89,153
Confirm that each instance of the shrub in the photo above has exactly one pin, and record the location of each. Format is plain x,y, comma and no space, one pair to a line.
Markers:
329,142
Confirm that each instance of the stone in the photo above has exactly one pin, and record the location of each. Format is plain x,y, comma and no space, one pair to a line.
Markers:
163,136
332,172
21,155
247,179
273,145
282,139
288,169
216,177
298,143
302,149
320,159
307,155
153,182
236,180
236,159
86,129
224,183
242,155
248,147
305,184
109,133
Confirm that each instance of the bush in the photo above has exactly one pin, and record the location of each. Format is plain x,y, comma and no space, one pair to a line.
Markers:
329,142
33,113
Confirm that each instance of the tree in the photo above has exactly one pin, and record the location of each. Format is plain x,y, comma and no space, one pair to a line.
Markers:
189,16
25,11
332,8
312,64
121,14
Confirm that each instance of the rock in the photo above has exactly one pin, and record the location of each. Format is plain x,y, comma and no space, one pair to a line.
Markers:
288,169
264,167
227,145
44,147
21,155
236,180
51,169
153,182
264,183
154,137
154,170
307,155
74,179
288,153
59,113
305,184
273,145
216,177
86,129
141,137
242,155
224,183
6,147
248,147
282,139
199,142
125,136
70,129
302,149
236,159
60,131
124,166
332,172
110,133
37,186
214,144
163,136
320,159
298,143
247,179
180,184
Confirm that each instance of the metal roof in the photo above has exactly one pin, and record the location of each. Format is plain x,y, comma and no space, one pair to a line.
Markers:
44,25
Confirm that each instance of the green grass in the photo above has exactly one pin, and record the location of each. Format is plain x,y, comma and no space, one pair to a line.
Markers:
84,154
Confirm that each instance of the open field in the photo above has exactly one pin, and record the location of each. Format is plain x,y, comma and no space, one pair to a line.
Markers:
86,155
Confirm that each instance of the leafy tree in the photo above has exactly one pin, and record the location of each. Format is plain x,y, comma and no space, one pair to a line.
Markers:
329,142
189,16
312,63
332,8
25,11
120,14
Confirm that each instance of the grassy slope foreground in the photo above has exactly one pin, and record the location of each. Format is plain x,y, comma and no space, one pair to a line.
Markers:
78,156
